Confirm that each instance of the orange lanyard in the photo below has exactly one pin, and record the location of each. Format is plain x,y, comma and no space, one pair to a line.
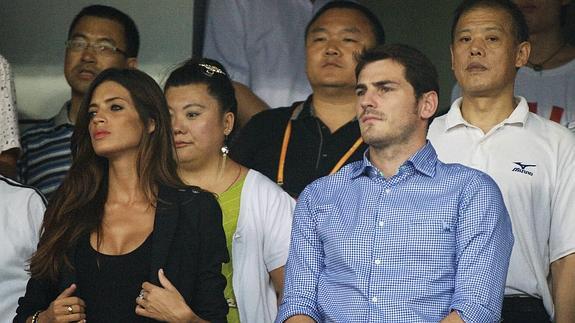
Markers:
285,144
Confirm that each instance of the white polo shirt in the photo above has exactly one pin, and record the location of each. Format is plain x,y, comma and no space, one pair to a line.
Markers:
532,160
21,214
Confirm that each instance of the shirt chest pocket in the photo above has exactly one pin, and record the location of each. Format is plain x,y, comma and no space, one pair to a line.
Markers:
431,243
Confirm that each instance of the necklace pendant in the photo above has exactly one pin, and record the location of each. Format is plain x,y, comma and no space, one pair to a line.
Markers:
537,67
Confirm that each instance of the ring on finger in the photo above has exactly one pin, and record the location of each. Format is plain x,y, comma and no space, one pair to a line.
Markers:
70,309
141,296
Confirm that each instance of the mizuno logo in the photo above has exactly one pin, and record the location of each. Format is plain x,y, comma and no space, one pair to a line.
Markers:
522,168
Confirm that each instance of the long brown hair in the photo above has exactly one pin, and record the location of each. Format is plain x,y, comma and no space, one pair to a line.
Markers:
77,207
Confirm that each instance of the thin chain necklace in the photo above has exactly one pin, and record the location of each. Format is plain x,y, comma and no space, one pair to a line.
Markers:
539,67
235,180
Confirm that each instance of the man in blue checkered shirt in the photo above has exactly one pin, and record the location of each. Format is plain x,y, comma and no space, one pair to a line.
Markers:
398,236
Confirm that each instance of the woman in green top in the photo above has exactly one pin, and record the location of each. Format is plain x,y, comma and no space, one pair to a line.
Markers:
256,212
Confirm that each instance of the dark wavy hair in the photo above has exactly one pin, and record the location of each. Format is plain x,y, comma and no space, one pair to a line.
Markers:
419,70
211,73
77,207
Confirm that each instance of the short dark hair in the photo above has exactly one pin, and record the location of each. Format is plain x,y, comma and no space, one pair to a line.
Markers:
131,34
419,70
211,73
518,20
376,26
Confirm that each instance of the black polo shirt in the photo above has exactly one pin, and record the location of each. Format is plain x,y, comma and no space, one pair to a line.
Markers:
312,152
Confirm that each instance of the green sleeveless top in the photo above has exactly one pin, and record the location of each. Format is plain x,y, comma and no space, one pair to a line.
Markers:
230,204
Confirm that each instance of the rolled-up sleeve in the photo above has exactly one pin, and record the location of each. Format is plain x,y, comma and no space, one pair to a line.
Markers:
484,243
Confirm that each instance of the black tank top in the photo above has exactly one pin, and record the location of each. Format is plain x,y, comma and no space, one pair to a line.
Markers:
109,284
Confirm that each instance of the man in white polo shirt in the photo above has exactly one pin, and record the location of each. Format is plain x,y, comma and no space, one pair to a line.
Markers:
531,159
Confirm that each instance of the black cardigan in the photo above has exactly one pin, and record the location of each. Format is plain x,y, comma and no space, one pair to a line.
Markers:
188,242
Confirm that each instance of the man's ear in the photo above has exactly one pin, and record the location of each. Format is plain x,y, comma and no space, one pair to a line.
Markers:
428,104
522,56
132,62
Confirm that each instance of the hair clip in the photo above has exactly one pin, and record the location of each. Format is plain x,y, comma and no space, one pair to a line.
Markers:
211,69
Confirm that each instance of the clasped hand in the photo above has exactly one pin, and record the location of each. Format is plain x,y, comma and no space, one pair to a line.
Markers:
163,303
65,308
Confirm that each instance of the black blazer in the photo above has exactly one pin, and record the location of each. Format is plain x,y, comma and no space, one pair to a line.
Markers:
188,242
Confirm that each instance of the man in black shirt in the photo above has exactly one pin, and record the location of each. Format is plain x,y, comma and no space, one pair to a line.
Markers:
295,145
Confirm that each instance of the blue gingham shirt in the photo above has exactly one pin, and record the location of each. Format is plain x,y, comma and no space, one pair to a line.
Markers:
429,240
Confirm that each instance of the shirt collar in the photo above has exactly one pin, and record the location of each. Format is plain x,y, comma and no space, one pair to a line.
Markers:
518,116
62,116
454,116
424,161
304,110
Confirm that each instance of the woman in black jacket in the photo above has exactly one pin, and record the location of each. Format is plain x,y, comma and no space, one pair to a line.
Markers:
124,240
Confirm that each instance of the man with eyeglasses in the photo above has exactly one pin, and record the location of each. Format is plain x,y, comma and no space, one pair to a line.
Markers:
99,37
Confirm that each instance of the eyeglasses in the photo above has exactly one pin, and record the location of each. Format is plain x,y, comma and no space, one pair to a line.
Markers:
100,48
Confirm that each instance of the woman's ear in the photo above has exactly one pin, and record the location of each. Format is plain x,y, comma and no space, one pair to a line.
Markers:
151,125
228,123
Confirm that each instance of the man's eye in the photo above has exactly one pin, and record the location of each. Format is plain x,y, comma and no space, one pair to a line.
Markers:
78,44
104,48
465,39
359,92
350,40
493,39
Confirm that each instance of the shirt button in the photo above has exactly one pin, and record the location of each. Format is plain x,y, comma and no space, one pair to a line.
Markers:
380,223
374,299
387,190
377,261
